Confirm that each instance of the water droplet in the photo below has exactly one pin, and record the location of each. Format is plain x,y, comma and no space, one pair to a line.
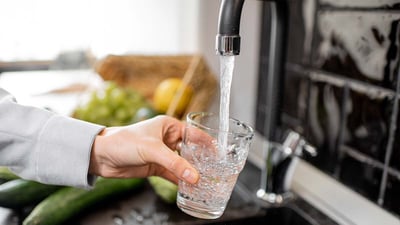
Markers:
139,218
118,220
149,222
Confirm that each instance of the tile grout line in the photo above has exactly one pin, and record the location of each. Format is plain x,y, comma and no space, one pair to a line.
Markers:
339,80
363,158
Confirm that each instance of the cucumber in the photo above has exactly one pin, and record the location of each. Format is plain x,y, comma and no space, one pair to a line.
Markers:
6,175
165,189
19,193
68,202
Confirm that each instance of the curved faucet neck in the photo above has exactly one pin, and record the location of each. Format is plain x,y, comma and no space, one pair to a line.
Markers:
228,38
229,17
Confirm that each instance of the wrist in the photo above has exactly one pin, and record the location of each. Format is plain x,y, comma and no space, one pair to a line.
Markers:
96,155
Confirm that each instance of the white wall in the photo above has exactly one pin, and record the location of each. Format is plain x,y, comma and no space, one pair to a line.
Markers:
41,29
244,84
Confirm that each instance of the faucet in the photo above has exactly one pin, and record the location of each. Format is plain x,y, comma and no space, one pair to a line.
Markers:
279,157
228,38
280,161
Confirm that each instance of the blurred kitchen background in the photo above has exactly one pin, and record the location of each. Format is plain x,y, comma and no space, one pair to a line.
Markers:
71,34
340,77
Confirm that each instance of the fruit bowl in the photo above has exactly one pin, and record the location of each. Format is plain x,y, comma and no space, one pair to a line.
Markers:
144,73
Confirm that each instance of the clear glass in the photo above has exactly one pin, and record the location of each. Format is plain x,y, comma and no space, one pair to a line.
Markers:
218,168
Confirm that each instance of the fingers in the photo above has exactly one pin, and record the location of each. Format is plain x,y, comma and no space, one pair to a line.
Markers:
180,168
199,136
175,164
152,141
169,176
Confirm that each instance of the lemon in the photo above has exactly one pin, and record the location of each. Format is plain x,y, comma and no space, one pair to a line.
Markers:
167,90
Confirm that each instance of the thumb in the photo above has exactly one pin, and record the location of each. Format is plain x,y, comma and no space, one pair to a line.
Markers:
177,165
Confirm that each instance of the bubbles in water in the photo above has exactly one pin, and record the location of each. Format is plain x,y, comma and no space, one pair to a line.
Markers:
118,220
148,216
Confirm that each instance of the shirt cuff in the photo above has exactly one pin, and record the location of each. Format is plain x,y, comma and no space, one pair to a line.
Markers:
63,152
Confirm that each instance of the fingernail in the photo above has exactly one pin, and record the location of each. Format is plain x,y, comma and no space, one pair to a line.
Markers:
179,145
189,176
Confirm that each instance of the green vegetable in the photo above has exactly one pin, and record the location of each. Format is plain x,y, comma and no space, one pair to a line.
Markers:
6,175
164,188
19,193
111,106
68,202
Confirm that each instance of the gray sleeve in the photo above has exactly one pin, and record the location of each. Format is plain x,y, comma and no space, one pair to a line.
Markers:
40,145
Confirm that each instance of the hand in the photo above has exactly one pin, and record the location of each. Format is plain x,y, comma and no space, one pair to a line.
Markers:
141,150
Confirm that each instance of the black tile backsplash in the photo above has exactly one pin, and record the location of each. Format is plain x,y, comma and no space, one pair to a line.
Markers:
364,4
367,124
361,177
392,194
341,91
324,120
360,45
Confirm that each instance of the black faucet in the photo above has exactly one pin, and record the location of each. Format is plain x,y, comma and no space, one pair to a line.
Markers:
228,38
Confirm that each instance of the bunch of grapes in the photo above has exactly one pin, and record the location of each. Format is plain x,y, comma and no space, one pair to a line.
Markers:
113,106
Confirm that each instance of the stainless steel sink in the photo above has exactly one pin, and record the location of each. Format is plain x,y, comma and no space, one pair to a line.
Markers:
296,212
274,216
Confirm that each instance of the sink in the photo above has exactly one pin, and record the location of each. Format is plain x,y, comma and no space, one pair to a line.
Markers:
295,212
273,216
243,207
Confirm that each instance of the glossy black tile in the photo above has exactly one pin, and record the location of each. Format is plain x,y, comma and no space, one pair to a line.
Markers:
361,177
368,122
361,45
339,87
392,195
323,122
369,4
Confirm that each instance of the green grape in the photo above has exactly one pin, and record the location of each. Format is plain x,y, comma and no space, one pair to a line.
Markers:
120,114
109,87
112,106
103,111
118,95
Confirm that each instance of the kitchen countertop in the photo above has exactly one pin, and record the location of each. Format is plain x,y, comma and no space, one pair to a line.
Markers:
143,206
59,90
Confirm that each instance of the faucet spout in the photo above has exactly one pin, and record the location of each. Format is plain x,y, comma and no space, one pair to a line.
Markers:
228,38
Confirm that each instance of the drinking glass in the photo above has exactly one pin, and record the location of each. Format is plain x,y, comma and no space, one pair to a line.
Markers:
219,167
